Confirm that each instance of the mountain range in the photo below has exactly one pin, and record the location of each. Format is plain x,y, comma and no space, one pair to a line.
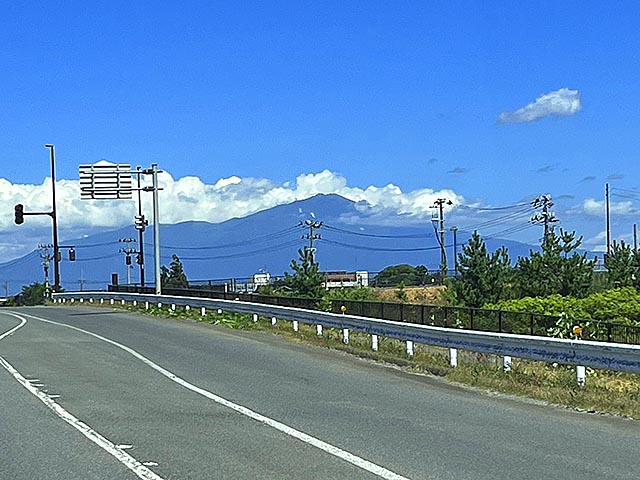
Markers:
347,235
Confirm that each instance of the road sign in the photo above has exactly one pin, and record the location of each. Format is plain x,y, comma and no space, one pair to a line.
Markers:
105,182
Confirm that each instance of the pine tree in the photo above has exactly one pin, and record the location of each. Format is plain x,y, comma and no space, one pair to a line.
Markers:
620,265
306,280
174,276
483,278
557,269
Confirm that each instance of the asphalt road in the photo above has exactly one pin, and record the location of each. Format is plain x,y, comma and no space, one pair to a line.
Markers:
181,400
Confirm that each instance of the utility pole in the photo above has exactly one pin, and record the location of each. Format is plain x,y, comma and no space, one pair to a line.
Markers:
454,229
608,219
312,225
635,238
128,251
440,203
46,261
546,217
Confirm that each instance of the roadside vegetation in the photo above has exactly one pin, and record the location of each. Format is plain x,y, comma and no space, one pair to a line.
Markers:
558,280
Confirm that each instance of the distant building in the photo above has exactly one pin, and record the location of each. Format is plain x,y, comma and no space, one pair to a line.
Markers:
345,279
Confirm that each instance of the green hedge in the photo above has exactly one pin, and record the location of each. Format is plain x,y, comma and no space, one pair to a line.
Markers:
620,305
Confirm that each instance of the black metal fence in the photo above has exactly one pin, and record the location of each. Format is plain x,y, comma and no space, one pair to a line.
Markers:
500,321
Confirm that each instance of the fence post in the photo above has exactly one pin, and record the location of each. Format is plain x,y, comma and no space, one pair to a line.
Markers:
608,332
402,312
581,375
506,364
531,323
499,321
453,357
410,348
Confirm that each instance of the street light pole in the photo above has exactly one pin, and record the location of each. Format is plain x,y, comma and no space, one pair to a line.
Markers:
56,250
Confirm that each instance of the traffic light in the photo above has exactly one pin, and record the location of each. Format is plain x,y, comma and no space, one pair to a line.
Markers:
139,259
140,222
19,208
72,255
128,259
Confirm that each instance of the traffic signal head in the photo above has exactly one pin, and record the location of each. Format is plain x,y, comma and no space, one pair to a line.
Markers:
72,255
19,209
128,259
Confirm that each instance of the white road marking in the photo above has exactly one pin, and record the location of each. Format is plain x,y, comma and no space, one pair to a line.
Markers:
124,446
292,432
127,460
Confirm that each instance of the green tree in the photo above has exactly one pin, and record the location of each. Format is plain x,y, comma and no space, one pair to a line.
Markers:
483,278
174,276
620,265
306,280
557,269
406,274
34,294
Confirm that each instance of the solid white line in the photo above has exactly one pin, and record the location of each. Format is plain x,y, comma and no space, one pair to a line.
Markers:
127,460
17,327
292,432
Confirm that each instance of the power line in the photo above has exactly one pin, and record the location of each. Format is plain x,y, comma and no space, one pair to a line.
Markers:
373,235
380,249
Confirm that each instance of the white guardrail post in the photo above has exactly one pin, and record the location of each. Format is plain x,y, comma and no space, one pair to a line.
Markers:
580,353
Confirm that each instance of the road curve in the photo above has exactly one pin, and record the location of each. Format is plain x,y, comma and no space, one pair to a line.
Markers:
158,398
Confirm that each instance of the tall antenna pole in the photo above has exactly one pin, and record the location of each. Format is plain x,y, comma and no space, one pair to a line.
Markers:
608,213
156,228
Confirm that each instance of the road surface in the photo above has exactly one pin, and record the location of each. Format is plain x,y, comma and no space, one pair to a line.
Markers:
96,393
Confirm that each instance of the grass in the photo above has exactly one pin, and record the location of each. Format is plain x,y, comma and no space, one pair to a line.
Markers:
605,391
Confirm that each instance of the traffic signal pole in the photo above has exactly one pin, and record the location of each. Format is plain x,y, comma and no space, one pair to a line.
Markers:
56,248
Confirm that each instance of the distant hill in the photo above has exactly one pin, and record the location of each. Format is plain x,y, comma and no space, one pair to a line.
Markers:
350,239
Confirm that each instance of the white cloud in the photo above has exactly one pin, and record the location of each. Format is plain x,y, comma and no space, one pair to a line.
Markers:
189,198
560,103
597,208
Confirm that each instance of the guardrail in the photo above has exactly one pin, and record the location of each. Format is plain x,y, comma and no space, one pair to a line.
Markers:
470,318
581,353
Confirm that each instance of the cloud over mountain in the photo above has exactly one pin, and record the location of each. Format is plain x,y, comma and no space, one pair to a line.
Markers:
189,198
560,103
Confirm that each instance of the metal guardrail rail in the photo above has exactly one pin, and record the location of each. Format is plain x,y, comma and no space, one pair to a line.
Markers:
498,321
604,355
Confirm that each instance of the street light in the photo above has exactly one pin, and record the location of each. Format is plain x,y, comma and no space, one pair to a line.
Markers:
56,251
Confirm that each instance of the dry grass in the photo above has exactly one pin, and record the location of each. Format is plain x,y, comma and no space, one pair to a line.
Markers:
418,295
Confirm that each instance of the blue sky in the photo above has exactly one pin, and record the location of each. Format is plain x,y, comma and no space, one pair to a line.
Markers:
408,93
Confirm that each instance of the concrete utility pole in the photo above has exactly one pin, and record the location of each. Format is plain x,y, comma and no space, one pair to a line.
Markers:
546,217
311,236
440,203
128,252
454,229
46,261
